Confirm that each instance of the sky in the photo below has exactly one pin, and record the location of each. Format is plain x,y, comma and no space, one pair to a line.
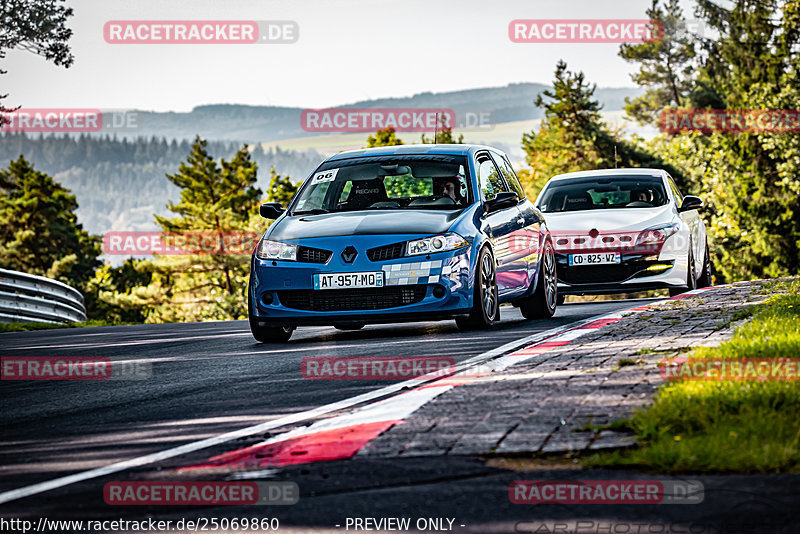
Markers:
346,51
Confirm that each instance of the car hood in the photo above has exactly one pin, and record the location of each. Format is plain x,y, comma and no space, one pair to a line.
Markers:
608,220
364,223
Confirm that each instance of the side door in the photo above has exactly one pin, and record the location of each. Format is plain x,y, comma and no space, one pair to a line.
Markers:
696,227
525,240
500,225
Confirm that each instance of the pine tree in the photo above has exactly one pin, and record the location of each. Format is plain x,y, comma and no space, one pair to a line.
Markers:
444,135
39,231
666,66
281,188
573,137
219,200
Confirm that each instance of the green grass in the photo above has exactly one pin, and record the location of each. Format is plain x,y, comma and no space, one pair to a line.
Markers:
709,426
25,327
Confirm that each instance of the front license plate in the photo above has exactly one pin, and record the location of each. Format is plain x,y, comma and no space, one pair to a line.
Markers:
604,258
348,280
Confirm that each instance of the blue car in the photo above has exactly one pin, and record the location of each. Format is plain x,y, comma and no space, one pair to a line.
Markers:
402,233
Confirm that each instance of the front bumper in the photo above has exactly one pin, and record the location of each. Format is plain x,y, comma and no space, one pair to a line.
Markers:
642,267
436,286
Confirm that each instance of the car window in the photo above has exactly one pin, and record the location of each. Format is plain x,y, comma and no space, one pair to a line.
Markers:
675,191
603,192
386,182
489,178
509,175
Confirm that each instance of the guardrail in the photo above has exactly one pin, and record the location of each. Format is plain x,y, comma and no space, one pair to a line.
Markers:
27,298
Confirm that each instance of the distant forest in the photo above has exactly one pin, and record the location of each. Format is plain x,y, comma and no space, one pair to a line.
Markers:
121,183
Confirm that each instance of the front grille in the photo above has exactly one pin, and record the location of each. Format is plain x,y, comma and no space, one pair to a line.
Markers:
594,274
386,252
313,255
377,298
604,274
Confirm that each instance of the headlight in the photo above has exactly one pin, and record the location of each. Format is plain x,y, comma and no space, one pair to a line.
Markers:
275,250
437,243
656,234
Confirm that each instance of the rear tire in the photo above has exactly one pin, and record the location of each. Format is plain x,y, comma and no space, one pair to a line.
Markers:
486,310
705,275
542,304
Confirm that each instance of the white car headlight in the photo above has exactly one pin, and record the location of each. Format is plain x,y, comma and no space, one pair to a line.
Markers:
437,243
656,234
275,250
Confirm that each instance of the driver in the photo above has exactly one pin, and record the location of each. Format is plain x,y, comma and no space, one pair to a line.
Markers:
637,195
449,190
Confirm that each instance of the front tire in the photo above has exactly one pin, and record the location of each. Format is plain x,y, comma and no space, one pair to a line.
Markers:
486,310
542,304
691,277
266,334
271,334
349,326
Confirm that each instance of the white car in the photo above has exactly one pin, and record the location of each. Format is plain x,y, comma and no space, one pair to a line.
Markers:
624,230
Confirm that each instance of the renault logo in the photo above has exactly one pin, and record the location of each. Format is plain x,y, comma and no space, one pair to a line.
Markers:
349,254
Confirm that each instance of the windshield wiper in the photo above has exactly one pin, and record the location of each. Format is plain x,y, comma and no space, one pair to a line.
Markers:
315,211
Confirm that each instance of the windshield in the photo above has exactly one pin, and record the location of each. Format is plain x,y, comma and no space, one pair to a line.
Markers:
603,192
387,183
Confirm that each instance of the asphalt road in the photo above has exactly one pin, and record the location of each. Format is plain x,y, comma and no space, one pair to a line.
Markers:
210,378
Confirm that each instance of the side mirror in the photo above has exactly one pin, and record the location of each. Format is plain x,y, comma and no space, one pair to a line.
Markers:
271,210
505,199
691,202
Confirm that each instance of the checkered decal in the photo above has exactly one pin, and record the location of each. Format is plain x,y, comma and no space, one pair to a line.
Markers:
420,272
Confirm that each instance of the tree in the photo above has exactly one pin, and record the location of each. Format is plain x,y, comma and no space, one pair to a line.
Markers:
572,135
749,180
281,188
216,200
111,294
443,136
385,137
665,65
39,230
38,26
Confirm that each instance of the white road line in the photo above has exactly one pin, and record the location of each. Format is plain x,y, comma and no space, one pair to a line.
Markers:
277,423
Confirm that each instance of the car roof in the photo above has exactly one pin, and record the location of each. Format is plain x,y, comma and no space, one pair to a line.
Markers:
449,149
609,172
